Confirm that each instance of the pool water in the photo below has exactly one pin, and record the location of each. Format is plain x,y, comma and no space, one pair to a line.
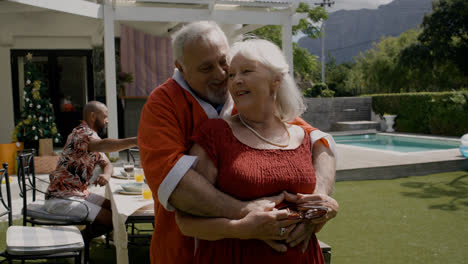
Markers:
396,143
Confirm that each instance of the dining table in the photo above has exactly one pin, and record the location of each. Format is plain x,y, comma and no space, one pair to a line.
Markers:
126,207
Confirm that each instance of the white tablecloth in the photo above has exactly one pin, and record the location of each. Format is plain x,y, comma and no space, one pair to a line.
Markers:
122,207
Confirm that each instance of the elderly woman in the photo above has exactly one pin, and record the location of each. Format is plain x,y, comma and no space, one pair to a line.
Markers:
255,154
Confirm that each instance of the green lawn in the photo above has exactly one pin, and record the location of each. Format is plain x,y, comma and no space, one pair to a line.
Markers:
409,220
420,219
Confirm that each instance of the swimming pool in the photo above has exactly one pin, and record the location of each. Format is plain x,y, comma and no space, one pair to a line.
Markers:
396,143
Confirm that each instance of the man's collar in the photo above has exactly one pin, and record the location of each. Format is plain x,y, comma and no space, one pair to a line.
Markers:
180,80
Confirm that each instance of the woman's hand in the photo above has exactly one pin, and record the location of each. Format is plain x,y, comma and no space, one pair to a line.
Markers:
316,199
304,230
271,225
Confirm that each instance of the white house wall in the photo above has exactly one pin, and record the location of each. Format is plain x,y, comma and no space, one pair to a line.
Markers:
38,30
54,30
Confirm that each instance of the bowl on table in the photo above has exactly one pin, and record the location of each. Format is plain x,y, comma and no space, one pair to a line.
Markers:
132,186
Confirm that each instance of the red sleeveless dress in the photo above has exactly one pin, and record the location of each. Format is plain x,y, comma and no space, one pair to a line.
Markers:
247,173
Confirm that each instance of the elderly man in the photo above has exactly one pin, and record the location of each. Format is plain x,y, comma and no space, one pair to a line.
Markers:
82,152
196,92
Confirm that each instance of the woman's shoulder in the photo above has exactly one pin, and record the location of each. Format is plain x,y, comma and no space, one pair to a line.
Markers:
298,134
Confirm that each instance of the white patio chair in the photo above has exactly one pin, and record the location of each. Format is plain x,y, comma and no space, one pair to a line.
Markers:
31,242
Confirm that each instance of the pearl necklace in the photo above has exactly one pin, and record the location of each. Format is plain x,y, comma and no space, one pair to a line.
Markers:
264,139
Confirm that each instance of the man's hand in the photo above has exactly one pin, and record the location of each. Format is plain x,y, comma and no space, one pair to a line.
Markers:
301,233
263,204
102,179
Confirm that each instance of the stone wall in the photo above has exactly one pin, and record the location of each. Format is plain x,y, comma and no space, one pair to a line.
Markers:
322,113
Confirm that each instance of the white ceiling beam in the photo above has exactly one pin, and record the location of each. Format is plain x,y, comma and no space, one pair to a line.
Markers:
169,14
77,7
176,1
9,8
212,5
254,3
246,29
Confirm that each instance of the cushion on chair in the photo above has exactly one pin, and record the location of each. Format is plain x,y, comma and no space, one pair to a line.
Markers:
32,240
36,210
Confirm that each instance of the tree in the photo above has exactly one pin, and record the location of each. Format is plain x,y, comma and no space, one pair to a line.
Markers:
306,66
439,56
377,70
37,116
336,75
445,32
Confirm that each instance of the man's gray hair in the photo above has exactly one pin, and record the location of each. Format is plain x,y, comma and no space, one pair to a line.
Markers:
289,100
200,30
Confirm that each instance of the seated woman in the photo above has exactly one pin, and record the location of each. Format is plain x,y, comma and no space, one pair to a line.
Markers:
255,154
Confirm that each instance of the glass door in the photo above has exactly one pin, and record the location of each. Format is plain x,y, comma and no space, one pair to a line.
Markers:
68,77
71,86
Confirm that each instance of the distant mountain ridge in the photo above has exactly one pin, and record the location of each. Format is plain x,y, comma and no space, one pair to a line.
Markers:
349,32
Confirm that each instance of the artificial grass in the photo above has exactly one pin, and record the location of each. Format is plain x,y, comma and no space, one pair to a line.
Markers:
420,219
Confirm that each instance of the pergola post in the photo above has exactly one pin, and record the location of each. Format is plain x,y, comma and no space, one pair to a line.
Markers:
288,45
109,66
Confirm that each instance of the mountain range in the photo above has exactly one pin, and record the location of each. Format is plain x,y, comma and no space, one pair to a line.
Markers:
349,32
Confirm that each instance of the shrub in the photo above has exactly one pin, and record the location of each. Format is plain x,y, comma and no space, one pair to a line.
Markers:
315,90
327,93
444,113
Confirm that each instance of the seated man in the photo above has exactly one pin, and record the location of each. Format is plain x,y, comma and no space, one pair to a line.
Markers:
82,152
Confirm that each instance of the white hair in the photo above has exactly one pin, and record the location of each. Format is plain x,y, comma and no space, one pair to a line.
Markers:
289,100
200,30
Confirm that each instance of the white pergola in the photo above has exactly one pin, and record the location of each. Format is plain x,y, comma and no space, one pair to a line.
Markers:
252,14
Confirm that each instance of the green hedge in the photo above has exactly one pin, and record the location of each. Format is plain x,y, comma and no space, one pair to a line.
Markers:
444,113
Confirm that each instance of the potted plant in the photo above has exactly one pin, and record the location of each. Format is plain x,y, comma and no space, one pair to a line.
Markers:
464,145
389,121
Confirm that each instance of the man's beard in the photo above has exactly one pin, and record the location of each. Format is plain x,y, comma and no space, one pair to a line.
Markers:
215,95
102,133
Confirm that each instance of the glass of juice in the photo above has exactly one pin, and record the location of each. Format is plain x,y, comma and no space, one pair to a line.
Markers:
139,175
146,192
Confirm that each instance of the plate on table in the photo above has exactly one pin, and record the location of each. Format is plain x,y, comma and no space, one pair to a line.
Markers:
123,175
128,193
